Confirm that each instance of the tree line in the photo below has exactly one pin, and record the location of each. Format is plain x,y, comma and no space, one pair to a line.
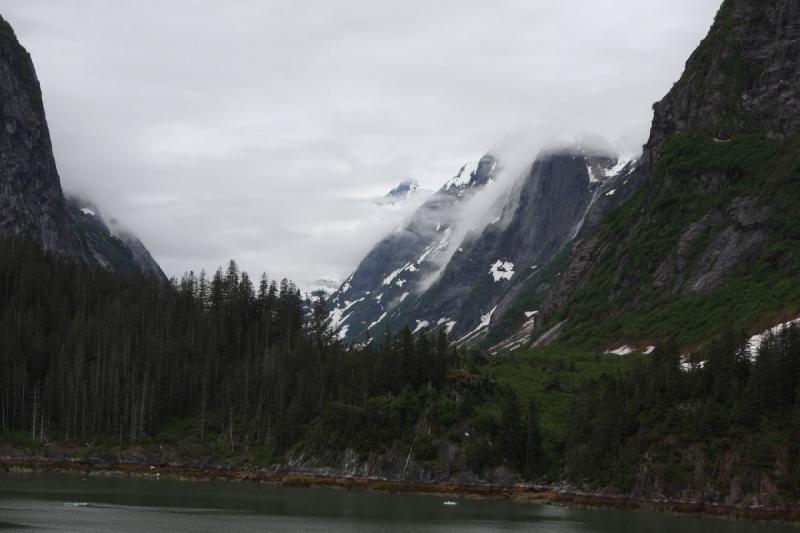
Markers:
237,363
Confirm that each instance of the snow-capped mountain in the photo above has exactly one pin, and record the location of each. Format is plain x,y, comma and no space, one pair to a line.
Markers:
404,190
407,257
468,274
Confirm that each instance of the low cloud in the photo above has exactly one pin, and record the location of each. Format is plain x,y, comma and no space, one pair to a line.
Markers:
262,130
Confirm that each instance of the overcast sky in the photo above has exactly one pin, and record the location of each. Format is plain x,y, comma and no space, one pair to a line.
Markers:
261,130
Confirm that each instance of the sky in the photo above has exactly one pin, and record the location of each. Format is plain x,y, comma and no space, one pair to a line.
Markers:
263,130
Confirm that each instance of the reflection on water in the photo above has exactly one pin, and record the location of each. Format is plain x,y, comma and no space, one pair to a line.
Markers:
71,503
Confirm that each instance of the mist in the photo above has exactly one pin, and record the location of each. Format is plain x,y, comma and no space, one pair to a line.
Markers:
263,131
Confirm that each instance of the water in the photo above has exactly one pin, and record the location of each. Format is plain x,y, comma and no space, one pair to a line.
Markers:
71,503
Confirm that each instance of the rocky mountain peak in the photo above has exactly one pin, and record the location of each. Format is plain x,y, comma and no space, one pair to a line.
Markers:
403,191
742,77
32,203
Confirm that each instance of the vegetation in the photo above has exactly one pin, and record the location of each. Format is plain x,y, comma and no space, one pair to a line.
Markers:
230,370
729,409
696,175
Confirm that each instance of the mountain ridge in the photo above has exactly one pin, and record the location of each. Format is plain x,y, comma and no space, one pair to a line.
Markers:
32,203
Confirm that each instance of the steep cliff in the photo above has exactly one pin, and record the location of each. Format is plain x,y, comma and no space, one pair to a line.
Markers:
712,235
397,266
32,203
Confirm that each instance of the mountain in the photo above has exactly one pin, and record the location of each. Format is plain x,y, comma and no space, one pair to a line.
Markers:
404,190
32,203
711,238
109,244
462,265
407,256
497,262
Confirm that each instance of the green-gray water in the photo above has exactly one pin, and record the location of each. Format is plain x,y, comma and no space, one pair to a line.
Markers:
71,503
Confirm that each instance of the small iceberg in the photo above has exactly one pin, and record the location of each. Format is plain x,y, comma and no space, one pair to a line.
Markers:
76,504
448,502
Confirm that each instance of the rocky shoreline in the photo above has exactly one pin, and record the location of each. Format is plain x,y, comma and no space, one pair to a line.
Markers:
557,495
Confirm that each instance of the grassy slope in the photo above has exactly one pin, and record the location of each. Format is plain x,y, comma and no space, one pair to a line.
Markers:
644,230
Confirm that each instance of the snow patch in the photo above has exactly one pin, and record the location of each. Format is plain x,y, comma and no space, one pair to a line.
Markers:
447,323
688,366
425,254
622,350
529,314
404,296
485,321
377,321
421,324
463,177
343,332
616,169
337,316
592,177
390,278
649,350
612,192
501,270
88,212
400,282
754,343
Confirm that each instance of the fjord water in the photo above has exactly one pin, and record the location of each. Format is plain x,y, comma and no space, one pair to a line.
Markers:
71,503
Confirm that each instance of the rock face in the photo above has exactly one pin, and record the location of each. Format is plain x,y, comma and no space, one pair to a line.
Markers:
716,172
31,201
464,266
108,244
404,259
742,77
404,190
32,204
497,271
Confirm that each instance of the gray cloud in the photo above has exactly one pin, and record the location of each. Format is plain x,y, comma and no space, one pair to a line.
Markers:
262,130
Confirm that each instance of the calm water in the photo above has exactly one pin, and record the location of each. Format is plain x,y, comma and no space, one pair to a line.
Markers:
69,503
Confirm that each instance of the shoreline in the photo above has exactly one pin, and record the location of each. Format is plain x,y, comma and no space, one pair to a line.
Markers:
519,492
